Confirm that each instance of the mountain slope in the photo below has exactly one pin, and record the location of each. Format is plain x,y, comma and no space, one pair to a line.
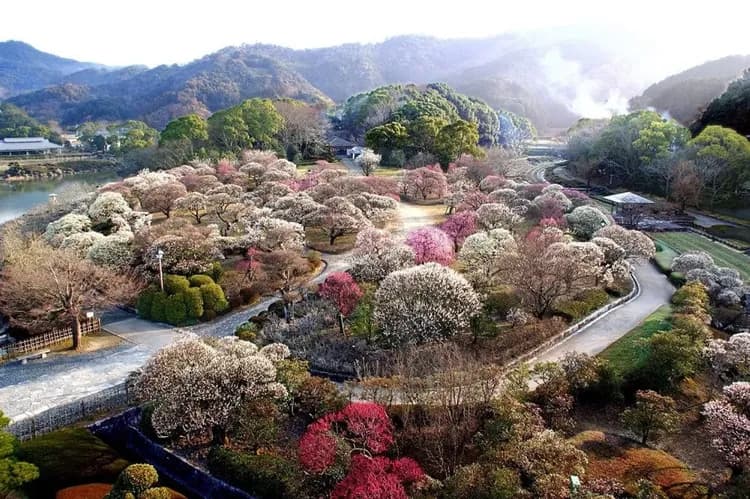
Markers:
551,79
24,68
685,95
731,109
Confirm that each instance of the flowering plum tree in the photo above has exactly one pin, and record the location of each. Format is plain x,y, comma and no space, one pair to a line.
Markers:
728,424
497,216
424,303
341,289
376,254
362,430
430,244
585,220
460,226
635,243
197,384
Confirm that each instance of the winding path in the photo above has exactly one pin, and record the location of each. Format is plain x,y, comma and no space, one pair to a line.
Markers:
29,389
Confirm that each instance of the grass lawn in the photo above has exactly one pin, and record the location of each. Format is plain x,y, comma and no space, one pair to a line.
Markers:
318,240
386,171
68,457
626,352
724,256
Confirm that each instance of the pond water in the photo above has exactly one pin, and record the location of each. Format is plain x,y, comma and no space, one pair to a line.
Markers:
17,198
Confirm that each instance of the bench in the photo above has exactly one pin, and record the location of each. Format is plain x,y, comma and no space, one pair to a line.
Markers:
41,354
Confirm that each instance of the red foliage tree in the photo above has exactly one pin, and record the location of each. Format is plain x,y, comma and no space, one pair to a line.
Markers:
460,226
365,429
431,244
341,289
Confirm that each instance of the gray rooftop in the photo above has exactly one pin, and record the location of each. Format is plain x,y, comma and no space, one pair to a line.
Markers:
23,144
627,198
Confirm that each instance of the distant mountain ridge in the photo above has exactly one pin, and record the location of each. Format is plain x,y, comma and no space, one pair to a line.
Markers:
687,94
539,77
24,68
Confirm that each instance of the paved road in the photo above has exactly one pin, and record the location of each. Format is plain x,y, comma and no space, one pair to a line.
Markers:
656,291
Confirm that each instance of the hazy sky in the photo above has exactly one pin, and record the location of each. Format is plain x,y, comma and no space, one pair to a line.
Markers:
160,31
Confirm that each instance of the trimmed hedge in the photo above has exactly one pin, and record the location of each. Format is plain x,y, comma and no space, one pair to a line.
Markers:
583,304
175,312
175,284
199,280
159,307
146,301
265,475
194,303
213,298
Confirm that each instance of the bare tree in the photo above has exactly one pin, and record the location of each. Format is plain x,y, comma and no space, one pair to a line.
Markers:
286,273
43,287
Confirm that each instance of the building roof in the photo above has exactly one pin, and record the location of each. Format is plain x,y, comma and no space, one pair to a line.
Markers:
338,142
22,144
627,198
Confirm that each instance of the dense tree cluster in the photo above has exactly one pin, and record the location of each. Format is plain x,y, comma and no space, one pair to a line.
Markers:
643,151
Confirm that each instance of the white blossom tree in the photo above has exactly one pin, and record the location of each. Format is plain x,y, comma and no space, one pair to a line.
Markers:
377,253
635,243
368,162
269,234
497,216
198,384
424,303
337,217
67,225
295,207
483,254
377,209
728,424
195,203
730,359
114,251
585,220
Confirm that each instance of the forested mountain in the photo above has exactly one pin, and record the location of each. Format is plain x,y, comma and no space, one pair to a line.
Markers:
731,109
24,68
535,76
686,95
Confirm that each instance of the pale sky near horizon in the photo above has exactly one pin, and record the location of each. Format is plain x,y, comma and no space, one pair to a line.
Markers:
156,32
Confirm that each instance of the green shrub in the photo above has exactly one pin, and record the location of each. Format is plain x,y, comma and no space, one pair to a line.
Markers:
174,284
583,304
194,303
145,302
199,280
213,298
175,311
136,479
159,307
498,303
318,397
677,279
157,493
265,475
217,270
247,331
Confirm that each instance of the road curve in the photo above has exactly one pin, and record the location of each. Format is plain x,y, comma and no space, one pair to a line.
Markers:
656,291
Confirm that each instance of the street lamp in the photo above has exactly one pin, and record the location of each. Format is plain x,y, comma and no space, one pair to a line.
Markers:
159,256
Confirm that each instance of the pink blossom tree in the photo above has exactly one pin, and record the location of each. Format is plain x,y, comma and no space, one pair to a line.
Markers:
460,226
728,424
426,183
342,290
431,244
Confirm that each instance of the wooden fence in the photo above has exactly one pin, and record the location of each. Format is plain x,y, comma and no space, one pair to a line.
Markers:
107,400
42,341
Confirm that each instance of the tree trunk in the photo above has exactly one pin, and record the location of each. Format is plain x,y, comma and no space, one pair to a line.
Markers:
332,239
77,335
219,435
341,324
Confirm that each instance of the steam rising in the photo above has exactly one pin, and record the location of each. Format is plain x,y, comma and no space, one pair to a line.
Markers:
582,94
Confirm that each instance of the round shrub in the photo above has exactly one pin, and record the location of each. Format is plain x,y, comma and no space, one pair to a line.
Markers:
145,302
193,303
175,311
583,304
247,331
217,270
136,479
159,307
213,298
156,493
199,280
174,284
317,397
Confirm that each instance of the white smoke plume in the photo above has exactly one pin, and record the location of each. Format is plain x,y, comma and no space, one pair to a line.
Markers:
585,96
